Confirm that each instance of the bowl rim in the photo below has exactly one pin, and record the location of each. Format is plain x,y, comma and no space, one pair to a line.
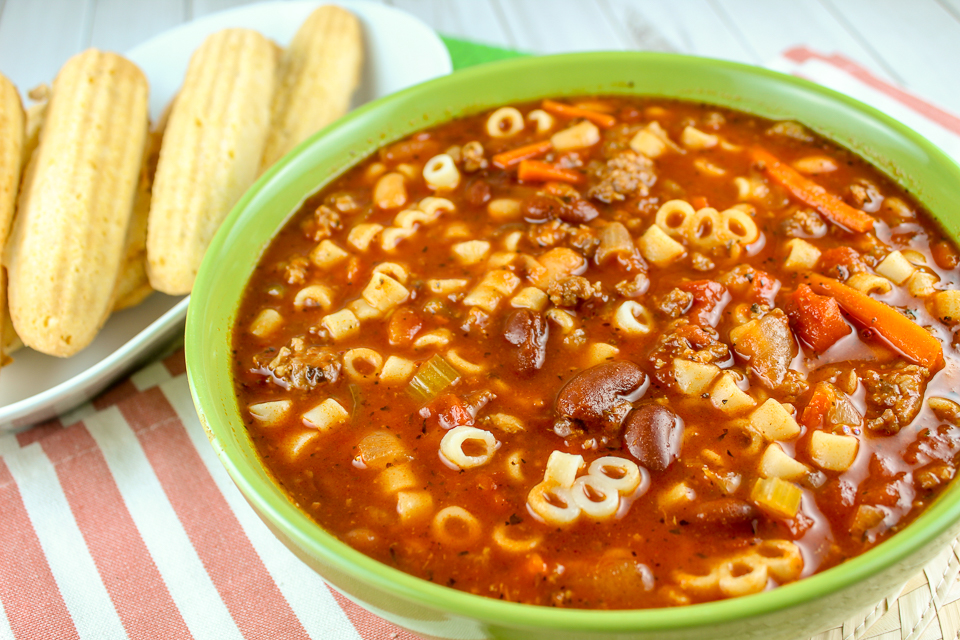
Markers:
310,537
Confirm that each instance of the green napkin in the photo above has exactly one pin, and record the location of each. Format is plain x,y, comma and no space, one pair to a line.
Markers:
465,53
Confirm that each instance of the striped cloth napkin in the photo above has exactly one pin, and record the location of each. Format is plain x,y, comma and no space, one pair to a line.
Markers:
119,521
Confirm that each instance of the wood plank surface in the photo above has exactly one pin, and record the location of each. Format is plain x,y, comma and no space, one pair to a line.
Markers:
913,43
699,29
37,37
918,40
119,25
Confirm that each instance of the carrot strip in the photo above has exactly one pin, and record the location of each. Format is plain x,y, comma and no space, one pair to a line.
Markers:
507,159
905,335
537,171
604,120
835,209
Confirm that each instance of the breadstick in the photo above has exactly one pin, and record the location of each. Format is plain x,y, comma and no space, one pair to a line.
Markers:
69,237
11,151
319,72
211,152
35,114
133,286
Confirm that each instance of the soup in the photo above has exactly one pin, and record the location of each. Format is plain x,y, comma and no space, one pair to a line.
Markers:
606,353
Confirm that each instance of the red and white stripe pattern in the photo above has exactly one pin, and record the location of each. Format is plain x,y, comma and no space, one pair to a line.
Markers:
124,524
118,520
846,76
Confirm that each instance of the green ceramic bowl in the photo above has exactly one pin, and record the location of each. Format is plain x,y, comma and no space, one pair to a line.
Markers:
798,610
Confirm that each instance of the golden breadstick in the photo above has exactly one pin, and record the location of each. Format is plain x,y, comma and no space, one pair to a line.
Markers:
9,340
11,153
133,286
69,237
36,112
211,152
319,72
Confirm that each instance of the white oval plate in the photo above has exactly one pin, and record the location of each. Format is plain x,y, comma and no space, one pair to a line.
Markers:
400,51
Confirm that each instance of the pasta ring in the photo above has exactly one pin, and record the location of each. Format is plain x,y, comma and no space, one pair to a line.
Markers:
431,205
441,172
392,269
543,119
508,116
511,544
552,504
703,229
596,495
742,576
451,447
354,356
440,527
633,318
624,475
673,215
739,226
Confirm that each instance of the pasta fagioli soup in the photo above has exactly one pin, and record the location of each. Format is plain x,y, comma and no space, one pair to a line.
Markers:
606,353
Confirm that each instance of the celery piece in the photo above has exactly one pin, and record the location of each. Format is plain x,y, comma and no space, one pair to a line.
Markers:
433,376
777,497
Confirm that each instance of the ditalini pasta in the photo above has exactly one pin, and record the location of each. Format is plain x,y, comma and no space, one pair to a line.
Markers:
607,353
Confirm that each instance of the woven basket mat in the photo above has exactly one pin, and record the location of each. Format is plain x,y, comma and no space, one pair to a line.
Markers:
926,608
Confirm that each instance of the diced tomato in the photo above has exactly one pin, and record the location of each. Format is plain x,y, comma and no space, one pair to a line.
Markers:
816,319
763,289
699,202
709,300
449,411
815,413
403,326
535,565
840,262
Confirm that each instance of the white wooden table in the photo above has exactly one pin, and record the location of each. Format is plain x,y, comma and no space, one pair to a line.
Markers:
914,43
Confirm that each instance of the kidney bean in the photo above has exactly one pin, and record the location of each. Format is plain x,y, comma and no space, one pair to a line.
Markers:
527,331
653,435
477,193
577,212
599,398
421,147
540,208
722,512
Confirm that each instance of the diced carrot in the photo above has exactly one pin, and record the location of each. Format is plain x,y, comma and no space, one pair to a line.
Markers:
538,171
903,334
604,120
808,191
698,202
507,159
816,319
